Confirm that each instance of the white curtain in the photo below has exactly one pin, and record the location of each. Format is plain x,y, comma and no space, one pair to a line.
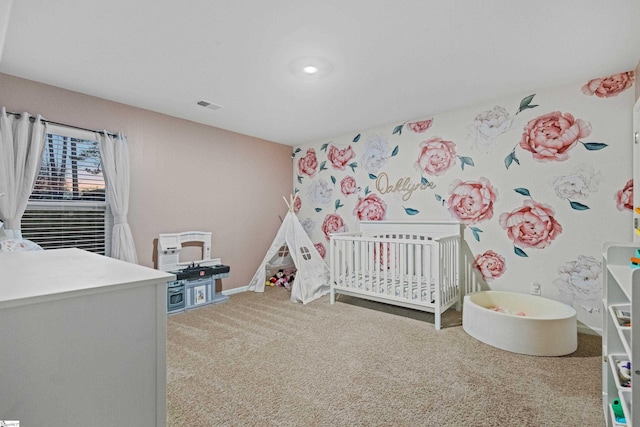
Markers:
115,168
21,144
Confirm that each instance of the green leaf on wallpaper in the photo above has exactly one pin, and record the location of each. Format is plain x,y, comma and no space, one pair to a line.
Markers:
522,191
338,204
508,160
357,138
578,206
520,252
593,146
526,103
411,211
511,158
394,152
353,166
323,165
398,129
465,161
372,176
318,209
476,232
424,181
299,179
333,179
438,197
323,147
366,190
296,151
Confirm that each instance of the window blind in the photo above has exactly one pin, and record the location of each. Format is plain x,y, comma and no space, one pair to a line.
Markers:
68,207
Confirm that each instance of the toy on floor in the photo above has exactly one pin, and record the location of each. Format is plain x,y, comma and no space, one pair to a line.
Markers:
279,279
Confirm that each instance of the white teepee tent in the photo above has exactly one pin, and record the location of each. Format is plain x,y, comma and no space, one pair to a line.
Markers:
312,276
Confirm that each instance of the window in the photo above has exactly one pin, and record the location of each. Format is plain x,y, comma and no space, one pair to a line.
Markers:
68,207
306,255
283,251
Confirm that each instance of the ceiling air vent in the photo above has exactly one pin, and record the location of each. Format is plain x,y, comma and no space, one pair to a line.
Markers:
208,104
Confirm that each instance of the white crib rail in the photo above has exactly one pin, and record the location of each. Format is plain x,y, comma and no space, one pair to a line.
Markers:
449,270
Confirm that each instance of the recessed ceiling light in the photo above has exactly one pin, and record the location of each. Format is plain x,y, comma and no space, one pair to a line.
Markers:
310,69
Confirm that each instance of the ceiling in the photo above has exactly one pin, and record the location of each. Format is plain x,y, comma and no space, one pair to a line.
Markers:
381,61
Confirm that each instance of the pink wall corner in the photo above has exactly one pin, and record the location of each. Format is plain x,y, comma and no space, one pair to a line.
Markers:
184,176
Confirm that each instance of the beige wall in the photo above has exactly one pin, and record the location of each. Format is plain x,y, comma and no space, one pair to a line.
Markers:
184,176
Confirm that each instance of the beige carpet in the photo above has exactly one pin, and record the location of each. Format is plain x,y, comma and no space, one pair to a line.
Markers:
261,360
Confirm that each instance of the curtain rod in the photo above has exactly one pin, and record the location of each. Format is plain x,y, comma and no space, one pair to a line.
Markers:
32,119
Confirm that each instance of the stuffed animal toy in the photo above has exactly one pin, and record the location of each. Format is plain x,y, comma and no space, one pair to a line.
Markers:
278,279
272,280
290,280
282,282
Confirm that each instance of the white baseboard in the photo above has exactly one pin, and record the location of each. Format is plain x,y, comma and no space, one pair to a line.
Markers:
584,329
235,290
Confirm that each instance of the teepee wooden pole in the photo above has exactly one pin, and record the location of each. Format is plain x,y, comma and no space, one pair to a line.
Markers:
291,201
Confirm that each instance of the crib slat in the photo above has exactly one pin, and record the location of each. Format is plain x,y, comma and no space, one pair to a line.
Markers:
362,264
408,266
419,270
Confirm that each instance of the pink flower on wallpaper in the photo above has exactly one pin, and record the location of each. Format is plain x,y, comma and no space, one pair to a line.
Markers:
333,223
348,185
297,204
472,201
421,126
340,158
624,197
532,226
321,249
436,156
490,264
550,137
371,208
308,164
609,86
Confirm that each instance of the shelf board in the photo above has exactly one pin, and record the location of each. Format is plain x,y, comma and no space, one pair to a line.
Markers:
624,332
622,275
613,362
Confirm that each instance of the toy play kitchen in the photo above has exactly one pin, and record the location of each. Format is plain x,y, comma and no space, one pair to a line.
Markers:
198,282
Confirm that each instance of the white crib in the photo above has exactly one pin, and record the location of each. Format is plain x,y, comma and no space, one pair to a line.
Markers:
404,263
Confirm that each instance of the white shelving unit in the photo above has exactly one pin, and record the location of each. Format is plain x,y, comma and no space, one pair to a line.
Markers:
618,344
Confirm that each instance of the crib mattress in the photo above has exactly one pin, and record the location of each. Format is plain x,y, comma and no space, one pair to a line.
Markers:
423,292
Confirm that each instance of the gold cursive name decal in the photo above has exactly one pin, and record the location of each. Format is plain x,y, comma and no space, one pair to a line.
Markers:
404,185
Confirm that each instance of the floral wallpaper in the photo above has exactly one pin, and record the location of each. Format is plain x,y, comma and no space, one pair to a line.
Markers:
539,180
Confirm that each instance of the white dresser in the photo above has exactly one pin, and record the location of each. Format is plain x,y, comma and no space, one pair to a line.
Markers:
82,340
